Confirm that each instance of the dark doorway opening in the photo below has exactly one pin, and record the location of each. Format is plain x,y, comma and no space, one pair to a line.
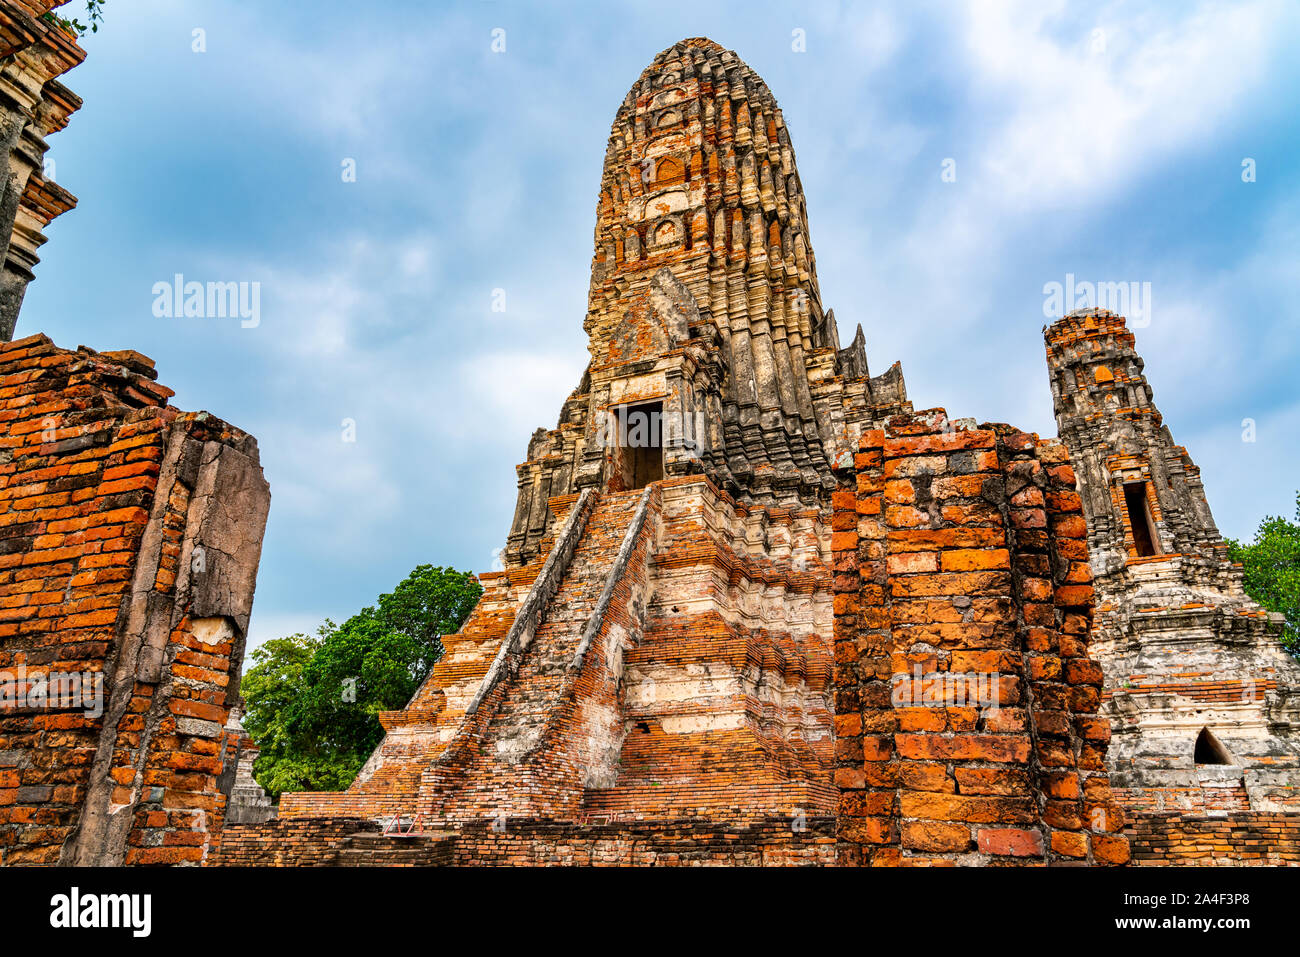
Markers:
640,444
1140,519
1209,750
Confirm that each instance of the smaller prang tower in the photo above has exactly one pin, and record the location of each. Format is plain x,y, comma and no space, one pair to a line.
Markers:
1202,698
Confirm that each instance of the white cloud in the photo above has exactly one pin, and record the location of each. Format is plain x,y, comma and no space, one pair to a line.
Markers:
1081,125
336,492
322,308
1047,136
1214,323
875,34
514,393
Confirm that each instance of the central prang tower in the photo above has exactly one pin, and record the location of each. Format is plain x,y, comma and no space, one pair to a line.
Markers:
704,311
660,641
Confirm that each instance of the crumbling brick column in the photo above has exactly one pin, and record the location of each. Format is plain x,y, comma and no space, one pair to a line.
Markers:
965,701
864,721
129,539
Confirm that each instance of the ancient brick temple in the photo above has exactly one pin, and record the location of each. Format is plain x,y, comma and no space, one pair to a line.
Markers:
755,609
747,587
660,641
1203,701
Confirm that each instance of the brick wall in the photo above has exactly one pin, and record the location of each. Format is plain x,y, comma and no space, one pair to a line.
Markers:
296,843
129,539
1235,840
961,552
1156,840
769,842
1189,801
317,842
326,842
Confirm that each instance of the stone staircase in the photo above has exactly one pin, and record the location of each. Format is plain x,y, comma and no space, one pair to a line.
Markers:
389,782
519,752
728,704
520,720
418,733
654,663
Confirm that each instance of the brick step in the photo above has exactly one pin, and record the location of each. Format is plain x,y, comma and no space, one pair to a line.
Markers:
470,652
376,850
407,718
535,690
394,842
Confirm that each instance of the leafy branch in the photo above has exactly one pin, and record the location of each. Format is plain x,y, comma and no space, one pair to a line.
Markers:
94,13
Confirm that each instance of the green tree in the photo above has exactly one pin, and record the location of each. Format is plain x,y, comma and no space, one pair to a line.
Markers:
313,703
429,603
1272,571
273,696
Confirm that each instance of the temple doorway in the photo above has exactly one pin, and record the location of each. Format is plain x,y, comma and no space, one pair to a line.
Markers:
640,444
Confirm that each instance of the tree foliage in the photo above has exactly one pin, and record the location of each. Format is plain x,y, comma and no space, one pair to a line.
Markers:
312,703
1272,571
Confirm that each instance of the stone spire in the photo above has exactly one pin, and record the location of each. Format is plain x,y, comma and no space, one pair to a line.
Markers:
1189,658
1106,416
700,189
704,305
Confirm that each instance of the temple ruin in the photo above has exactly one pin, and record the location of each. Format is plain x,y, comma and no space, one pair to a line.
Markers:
1204,702
34,52
755,609
726,644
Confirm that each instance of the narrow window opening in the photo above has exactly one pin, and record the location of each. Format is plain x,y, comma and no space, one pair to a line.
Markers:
1209,750
1141,520
640,444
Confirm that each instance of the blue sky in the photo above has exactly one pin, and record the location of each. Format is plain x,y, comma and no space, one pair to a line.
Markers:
1102,140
